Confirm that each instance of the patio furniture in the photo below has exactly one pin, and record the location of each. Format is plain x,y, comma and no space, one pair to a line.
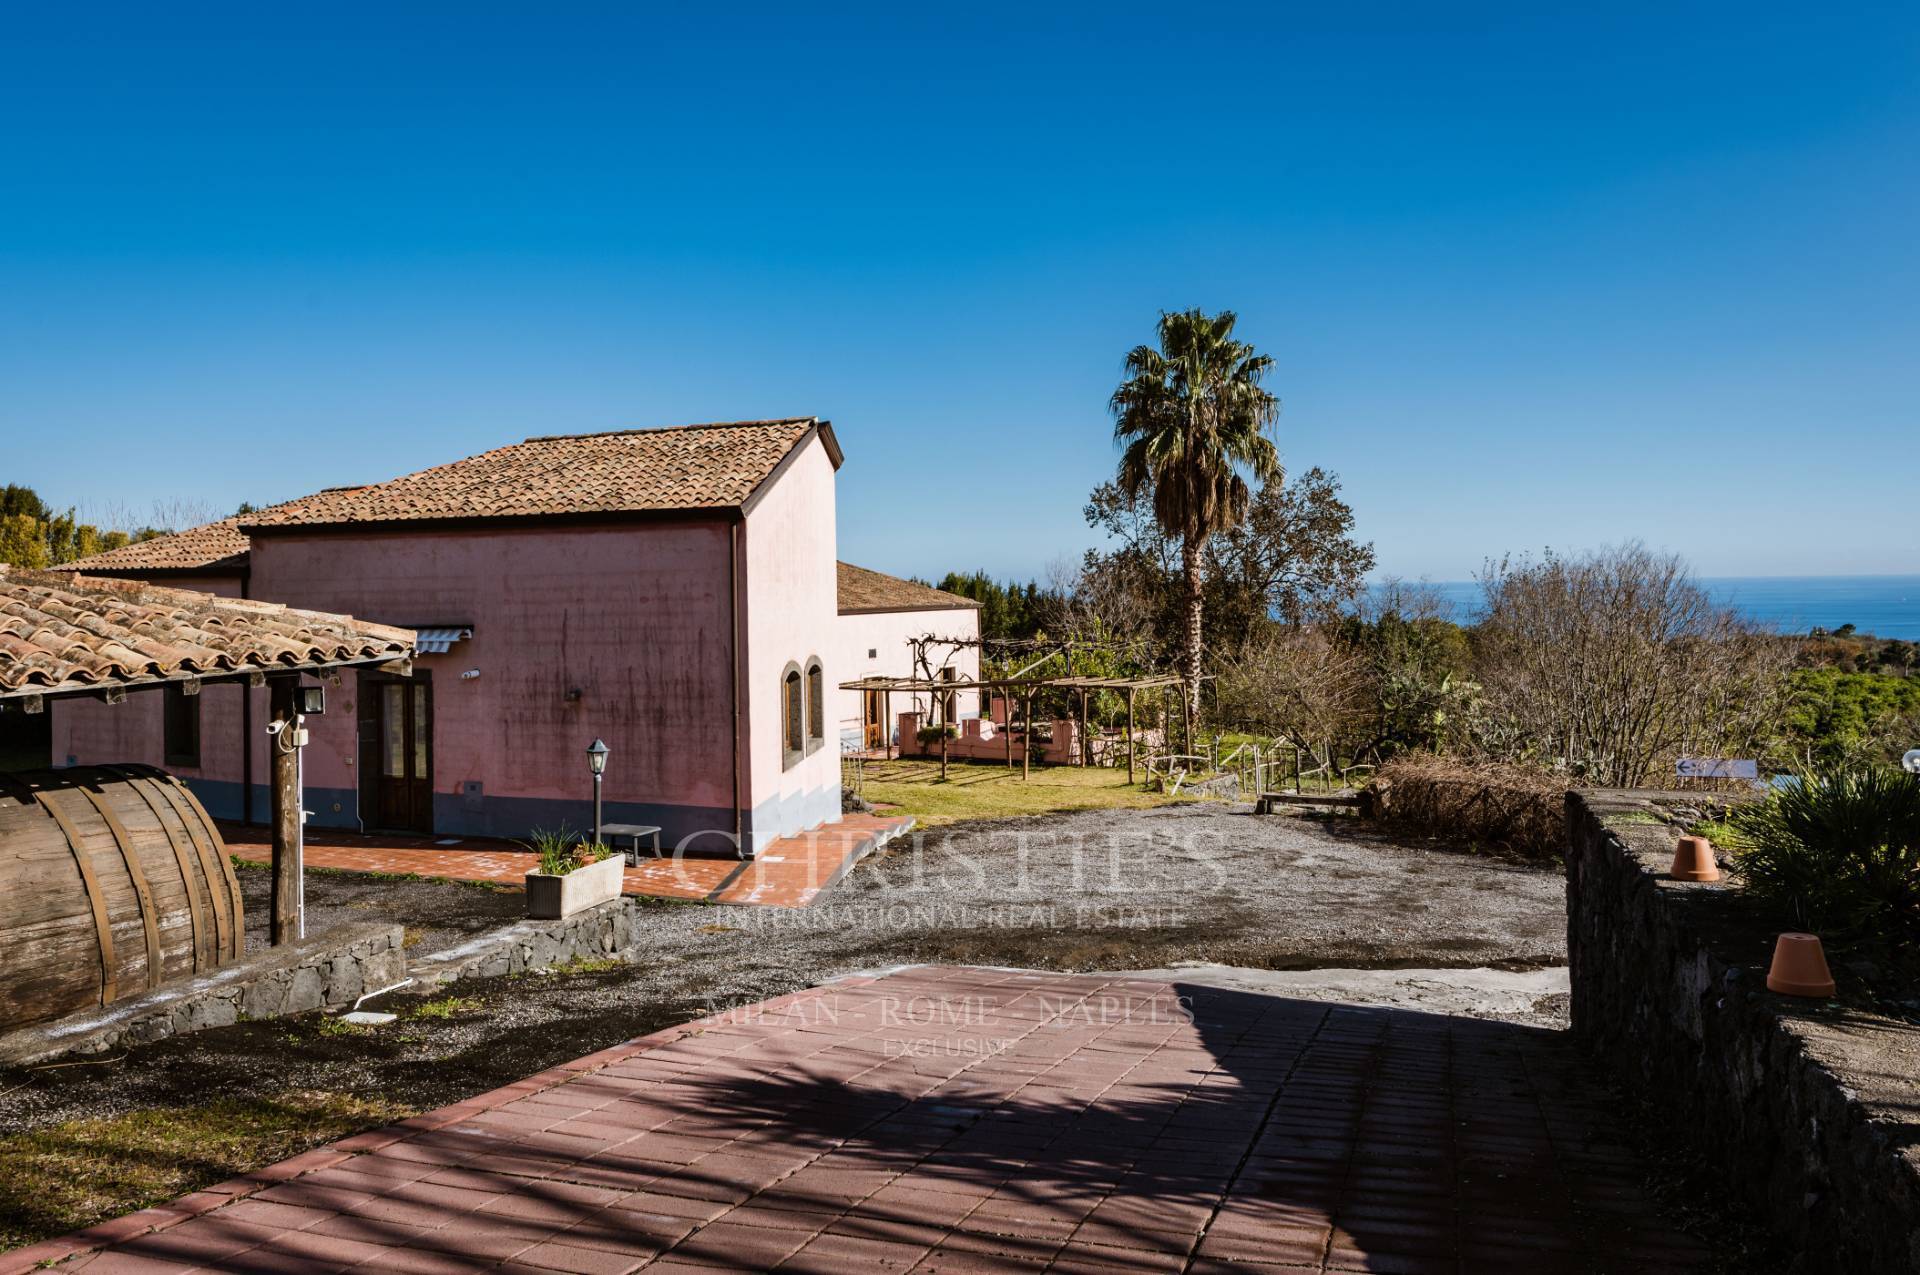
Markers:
633,832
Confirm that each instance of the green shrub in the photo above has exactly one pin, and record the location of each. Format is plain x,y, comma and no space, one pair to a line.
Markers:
1838,851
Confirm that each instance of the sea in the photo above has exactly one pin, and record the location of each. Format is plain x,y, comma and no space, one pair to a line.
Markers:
1884,606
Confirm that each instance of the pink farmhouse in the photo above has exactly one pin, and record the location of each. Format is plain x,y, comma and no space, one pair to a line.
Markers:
671,591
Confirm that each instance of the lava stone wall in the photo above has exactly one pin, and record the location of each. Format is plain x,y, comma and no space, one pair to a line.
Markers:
1800,1105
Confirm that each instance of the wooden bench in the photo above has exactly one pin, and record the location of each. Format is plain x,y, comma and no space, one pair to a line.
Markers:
634,832
1270,801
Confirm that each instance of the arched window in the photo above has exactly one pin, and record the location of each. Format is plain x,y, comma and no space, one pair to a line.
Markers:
793,716
816,704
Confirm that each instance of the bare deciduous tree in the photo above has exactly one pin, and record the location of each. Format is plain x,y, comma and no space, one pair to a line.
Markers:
1612,664
1299,684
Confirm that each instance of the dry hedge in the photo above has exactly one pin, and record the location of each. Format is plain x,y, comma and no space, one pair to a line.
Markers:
1523,811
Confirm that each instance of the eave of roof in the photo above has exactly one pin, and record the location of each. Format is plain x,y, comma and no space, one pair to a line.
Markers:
864,591
214,548
62,634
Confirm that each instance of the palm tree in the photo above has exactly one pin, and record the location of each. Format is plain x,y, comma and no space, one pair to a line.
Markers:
1192,416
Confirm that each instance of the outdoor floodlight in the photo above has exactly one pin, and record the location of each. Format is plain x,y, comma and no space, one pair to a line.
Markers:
310,701
597,757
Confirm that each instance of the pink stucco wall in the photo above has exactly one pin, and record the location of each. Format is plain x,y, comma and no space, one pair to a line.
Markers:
886,635
634,616
791,583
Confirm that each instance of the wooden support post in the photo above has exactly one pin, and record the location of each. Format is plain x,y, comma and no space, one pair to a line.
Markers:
284,788
1080,728
1006,705
1026,740
887,724
1129,735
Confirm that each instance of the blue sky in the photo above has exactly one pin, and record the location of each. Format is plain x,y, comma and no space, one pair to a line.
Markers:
1531,278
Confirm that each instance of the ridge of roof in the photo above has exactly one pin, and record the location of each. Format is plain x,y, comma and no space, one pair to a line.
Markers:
672,429
714,466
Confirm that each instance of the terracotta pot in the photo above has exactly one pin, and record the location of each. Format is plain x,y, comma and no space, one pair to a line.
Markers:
1693,860
1799,967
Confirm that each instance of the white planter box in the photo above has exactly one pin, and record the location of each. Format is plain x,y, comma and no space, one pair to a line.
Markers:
550,898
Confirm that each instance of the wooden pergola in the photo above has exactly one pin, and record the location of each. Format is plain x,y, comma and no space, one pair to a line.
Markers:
1026,688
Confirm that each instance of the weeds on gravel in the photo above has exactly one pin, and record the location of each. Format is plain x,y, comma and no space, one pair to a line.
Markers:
66,1176
446,1007
330,1026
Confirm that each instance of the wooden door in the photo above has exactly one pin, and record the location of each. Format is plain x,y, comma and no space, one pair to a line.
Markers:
396,753
875,718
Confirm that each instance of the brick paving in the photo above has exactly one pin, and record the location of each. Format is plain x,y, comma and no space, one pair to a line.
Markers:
962,1120
790,873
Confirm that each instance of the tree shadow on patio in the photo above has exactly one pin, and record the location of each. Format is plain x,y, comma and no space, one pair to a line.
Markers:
988,1120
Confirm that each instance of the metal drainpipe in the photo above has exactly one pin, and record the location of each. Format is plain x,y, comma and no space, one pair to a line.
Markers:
733,641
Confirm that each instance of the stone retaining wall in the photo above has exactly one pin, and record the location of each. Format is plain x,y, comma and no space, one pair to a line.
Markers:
1811,1112
327,971
599,933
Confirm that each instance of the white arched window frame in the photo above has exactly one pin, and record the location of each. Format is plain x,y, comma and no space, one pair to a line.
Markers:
816,704
793,716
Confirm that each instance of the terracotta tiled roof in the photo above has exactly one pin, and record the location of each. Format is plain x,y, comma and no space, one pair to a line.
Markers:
60,632
686,467
864,590
216,545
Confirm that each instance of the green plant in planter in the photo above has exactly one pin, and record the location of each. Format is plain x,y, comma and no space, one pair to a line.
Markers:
562,851
1838,851
931,735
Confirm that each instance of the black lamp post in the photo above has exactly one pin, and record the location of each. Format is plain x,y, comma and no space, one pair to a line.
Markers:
597,763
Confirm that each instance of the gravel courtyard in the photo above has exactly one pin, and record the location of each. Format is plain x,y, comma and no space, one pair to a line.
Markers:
1098,890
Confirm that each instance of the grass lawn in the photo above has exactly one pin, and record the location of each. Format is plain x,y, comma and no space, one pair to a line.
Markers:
989,790
70,1175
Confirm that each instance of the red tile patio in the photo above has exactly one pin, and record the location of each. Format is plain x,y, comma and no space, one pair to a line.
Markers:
959,1120
790,873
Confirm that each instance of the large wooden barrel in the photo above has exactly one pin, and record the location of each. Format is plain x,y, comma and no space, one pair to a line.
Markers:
113,881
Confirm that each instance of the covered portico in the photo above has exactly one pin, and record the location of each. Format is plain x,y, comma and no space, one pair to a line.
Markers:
67,637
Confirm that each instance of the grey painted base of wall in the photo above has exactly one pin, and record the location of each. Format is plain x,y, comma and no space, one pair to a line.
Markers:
1812,1115
332,969
697,829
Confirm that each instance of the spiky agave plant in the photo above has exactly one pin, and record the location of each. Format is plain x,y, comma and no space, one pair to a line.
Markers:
1838,851
558,850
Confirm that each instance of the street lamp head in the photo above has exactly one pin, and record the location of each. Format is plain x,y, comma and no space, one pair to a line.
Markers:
597,757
